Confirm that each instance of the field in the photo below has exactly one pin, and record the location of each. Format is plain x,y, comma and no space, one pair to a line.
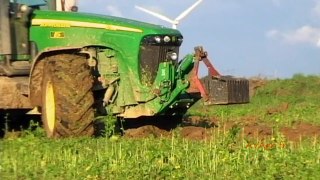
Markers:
275,136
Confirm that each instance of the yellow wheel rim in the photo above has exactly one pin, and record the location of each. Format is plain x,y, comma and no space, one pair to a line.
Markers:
50,107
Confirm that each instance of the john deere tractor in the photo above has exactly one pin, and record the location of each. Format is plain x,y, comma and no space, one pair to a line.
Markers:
71,67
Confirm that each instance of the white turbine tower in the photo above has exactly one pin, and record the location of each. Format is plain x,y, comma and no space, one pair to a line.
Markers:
175,21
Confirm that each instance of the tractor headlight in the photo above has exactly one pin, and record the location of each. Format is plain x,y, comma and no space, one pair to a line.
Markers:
166,39
157,39
172,56
23,8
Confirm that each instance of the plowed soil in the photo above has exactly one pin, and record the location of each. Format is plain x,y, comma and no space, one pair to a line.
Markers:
300,131
197,128
200,128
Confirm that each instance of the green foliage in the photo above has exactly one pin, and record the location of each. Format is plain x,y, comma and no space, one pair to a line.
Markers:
33,131
109,123
220,157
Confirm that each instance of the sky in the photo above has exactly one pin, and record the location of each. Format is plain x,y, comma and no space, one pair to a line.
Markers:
246,38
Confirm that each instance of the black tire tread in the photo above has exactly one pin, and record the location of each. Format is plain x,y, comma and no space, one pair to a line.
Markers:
72,82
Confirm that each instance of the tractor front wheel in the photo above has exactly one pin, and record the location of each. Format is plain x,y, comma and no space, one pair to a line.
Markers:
67,99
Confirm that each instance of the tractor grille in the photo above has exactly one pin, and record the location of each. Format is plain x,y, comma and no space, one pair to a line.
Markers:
153,51
150,58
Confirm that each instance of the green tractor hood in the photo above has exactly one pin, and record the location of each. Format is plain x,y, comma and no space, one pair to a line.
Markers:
87,20
146,82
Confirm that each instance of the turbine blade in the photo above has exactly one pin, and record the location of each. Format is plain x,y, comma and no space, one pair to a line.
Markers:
160,16
187,11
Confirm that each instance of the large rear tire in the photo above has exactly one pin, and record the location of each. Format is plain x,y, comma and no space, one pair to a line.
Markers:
67,99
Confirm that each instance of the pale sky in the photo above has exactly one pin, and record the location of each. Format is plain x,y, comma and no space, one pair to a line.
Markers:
270,38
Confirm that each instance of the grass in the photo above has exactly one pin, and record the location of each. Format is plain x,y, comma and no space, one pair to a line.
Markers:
223,155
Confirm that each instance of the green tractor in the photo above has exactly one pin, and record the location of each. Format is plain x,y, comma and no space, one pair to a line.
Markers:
71,67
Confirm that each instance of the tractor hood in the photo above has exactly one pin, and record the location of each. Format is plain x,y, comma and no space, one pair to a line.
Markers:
73,19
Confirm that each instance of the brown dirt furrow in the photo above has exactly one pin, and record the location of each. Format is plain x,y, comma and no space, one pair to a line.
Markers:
301,131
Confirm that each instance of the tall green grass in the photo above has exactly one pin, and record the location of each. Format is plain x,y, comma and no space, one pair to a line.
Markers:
221,156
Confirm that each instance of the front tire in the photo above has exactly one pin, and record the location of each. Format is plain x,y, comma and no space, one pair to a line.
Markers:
67,99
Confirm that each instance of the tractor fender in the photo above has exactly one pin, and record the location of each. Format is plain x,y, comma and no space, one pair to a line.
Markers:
37,70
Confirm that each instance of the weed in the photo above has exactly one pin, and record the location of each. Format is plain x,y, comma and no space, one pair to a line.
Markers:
107,125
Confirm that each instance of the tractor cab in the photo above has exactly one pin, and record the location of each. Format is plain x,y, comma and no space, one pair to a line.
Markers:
16,49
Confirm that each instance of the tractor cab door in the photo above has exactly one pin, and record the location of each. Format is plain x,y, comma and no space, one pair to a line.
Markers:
14,38
5,40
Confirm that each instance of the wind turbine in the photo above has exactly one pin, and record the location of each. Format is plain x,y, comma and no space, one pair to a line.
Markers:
175,21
